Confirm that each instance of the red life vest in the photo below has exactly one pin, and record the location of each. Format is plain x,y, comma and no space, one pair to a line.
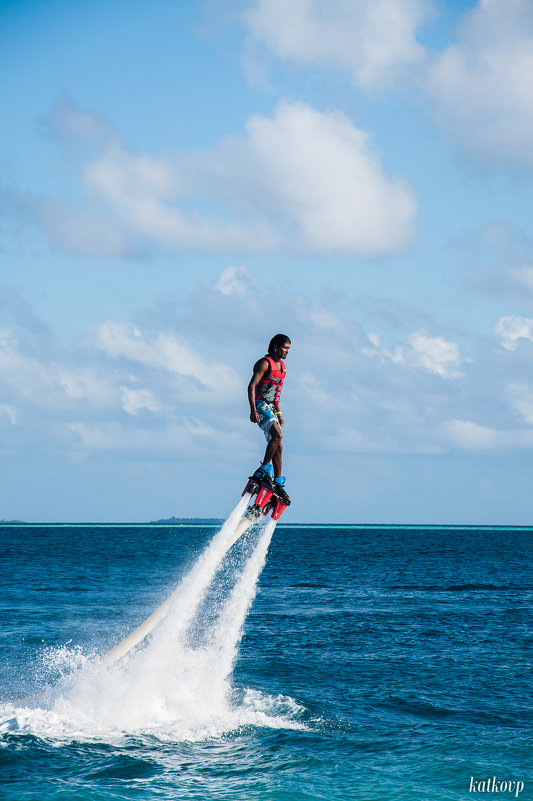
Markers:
269,388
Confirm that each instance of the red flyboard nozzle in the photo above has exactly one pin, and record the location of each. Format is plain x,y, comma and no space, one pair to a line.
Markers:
279,508
248,487
263,496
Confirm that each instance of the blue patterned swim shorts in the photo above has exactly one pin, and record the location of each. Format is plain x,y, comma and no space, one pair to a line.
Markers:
267,416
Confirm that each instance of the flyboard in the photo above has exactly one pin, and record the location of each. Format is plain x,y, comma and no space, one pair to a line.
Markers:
266,502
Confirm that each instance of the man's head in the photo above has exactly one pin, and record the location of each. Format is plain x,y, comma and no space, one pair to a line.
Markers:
279,346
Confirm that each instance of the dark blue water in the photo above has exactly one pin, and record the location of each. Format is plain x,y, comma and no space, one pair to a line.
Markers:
374,664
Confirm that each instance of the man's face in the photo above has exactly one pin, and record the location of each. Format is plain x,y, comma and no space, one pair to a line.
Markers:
283,350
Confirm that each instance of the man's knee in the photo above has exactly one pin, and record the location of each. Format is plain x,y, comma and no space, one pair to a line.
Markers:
276,433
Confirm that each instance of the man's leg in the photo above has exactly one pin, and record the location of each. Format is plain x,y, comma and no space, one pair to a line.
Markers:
274,448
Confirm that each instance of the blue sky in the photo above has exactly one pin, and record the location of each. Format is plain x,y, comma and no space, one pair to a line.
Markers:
180,181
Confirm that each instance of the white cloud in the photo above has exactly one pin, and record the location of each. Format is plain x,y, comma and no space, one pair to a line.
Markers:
481,85
9,412
302,180
316,175
521,399
323,320
84,384
49,383
433,354
374,40
171,353
56,386
471,436
133,400
188,436
234,281
144,193
513,328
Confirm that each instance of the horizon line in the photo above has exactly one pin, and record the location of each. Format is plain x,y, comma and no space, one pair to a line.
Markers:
219,521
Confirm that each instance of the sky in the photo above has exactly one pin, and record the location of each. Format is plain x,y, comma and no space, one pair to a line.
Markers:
182,180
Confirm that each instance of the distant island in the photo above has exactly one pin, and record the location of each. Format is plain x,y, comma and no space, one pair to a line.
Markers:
187,521
168,521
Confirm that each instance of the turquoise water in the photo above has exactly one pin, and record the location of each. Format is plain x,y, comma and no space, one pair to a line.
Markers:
326,663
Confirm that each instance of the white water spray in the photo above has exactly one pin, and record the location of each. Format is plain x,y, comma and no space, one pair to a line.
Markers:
197,581
177,685
228,632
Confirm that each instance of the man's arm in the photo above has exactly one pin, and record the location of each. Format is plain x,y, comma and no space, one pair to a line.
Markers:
260,369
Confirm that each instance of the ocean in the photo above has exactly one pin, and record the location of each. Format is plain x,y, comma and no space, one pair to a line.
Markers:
311,662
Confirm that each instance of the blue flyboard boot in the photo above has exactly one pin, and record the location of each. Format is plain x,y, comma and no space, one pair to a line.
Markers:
264,475
279,490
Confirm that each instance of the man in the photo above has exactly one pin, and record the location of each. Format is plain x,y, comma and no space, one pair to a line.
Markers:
264,391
